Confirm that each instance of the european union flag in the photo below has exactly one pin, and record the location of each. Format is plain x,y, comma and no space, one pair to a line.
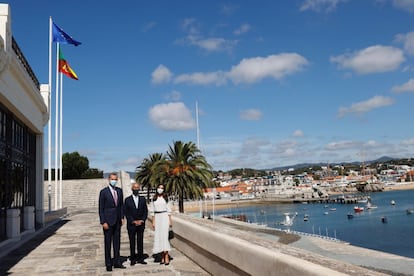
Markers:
60,36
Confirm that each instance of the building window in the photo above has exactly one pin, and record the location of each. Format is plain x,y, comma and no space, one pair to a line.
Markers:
17,167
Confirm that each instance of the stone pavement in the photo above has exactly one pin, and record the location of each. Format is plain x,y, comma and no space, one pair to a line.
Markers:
74,246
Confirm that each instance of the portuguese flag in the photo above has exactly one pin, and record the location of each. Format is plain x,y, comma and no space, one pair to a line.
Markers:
65,68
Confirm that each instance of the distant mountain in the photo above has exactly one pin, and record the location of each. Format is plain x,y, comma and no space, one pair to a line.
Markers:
131,174
308,165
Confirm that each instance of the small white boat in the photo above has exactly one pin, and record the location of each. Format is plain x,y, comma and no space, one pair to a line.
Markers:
410,211
392,202
370,206
332,209
305,217
362,201
288,220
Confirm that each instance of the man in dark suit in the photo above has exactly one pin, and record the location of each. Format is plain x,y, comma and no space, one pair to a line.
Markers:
136,212
111,218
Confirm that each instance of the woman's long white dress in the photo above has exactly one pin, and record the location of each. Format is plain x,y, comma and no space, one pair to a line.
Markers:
161,210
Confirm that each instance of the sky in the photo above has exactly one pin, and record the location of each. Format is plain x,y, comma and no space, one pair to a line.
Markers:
276,83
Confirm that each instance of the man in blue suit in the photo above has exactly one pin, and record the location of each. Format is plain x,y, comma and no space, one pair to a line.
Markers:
111,218
136,212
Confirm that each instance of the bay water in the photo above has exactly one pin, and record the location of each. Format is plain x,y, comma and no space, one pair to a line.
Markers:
366,229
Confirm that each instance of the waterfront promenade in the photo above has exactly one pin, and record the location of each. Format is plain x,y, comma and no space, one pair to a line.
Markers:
74,246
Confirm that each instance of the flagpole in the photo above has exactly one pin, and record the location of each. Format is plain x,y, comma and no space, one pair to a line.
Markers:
49,126
56,124
60,141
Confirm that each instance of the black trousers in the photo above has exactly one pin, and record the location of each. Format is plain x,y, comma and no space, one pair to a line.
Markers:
136,238
112,237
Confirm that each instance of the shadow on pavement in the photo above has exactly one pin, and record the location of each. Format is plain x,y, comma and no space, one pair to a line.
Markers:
11,259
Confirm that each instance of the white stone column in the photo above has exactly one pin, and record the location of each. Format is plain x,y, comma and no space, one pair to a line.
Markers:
13,223
28,218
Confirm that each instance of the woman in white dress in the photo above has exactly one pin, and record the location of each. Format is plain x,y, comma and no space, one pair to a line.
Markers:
161,221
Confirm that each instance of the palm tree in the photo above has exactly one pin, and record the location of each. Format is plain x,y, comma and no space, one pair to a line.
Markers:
147,173
185,172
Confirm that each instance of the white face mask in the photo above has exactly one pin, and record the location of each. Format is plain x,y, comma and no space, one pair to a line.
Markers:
160,191
113,183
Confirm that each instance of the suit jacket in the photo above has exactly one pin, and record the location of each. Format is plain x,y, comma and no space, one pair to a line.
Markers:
108,211
133,213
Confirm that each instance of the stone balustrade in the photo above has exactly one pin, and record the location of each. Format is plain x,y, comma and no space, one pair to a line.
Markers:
221,249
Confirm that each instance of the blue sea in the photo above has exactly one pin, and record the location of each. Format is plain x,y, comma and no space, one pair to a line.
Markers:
365,229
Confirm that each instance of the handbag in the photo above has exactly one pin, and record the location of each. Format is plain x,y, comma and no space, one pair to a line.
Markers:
170,234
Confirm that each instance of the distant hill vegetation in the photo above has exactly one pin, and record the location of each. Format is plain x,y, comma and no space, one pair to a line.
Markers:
262,172
382,159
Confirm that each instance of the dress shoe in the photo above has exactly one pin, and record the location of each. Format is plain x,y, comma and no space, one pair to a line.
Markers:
133,263
108,268
120,266
142,262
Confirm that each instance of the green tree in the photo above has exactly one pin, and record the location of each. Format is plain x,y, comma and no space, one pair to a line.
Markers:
92,173
146,173
74,165
185,172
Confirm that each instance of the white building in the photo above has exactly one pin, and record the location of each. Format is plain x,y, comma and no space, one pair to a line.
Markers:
23,115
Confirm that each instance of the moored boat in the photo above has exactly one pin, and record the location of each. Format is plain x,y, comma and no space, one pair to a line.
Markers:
371,206
410,211
288,220
358,209
350,216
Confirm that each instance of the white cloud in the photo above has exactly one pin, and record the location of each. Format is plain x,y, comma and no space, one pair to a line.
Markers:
408,142
217,78
195,38
406,5
161,75
365,106
406,87
173,96
214,44
251,70
407,40
148,26
210,44
244,28
251,114
342,145
130,162
374,59
190,25
227,9
320,5
171,116
297,133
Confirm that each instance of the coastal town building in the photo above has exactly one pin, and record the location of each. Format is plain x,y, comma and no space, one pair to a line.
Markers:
304,186
23,116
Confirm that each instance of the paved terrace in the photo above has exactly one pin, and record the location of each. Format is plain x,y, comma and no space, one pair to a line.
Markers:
74,246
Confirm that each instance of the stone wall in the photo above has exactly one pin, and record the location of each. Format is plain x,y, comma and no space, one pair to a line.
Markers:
222,249
82,194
